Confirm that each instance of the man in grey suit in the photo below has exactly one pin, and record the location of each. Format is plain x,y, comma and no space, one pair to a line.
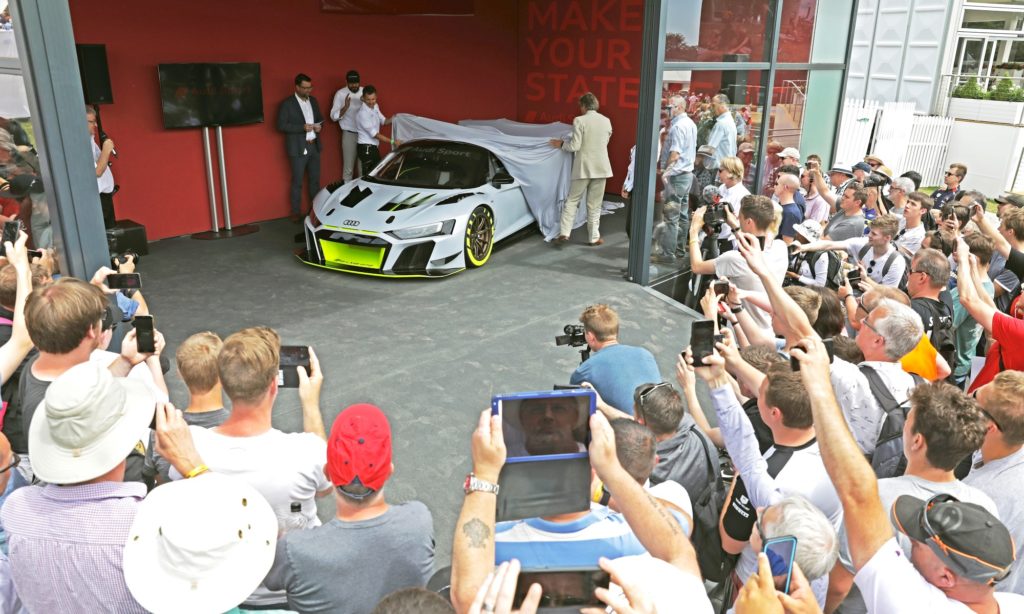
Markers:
591,168
300,120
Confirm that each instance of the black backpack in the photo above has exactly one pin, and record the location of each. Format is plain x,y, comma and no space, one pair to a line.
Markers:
834,274
715,563
888,265
888,460
941,334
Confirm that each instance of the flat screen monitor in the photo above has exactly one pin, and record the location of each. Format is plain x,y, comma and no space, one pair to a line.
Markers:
196,95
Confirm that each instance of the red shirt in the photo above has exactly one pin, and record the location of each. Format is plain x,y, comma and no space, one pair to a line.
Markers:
1007,352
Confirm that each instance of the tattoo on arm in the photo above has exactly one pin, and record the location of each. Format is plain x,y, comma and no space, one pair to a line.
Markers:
477,532
666,515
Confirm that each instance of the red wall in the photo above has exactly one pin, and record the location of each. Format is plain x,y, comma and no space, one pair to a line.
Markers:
449,68
570,47
525,59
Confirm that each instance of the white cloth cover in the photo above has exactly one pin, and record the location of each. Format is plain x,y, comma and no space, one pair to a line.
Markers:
543,171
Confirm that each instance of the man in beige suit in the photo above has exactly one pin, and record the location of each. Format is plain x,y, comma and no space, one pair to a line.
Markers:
591,132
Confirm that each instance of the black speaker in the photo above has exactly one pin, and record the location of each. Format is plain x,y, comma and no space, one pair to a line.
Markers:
92,64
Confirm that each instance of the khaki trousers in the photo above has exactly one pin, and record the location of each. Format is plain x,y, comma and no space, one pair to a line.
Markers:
595,195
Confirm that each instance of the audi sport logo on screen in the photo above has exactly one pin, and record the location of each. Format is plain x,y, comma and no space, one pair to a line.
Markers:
350,223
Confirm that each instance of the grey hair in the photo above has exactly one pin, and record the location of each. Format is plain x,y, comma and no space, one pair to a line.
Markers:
817,544
589,101
904,183
900,327
677,101
933,263
720,99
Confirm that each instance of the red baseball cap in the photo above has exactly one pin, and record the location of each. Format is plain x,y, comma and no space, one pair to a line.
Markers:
359,447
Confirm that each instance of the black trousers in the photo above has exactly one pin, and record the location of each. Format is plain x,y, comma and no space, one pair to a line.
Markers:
369,157
301,165
107,203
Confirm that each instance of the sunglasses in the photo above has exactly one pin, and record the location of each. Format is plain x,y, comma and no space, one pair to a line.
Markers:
16,460
647,391
985,413
871,266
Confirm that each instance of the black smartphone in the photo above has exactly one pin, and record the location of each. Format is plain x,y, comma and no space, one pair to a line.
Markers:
34,253
702,341
11,230
562,589
145,338
781,553
566,387
292,356
721,287
124,281
854,278
830,347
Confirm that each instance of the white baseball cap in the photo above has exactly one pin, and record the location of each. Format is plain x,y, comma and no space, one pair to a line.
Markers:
88,422
790,152
808,229
200,545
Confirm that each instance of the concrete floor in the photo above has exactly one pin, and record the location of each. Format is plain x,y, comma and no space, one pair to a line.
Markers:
430,353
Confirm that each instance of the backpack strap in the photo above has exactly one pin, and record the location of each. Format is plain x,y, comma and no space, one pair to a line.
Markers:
888,262
863,252
881,392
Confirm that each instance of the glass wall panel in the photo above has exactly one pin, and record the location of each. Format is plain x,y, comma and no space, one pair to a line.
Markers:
719,30
985,19
821,114
796,30
832,31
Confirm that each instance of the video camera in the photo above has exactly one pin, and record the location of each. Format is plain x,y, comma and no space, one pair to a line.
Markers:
575,336
714,217
876,180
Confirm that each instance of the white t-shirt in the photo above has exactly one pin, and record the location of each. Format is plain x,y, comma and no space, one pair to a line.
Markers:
139,372
667,586
104,182
891,585
733,196
283,467
348,120
909,239
860,408
673,492
368,121
732,266
875,265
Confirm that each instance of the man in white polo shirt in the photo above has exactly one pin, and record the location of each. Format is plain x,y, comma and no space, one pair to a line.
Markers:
369,121
347,102
875,253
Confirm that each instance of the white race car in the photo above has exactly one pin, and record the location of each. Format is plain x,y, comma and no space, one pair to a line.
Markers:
431,209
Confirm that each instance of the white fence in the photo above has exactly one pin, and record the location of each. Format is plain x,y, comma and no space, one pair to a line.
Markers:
895,133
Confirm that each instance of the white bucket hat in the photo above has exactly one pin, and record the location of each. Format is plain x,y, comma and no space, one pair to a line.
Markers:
200,545
808,229
88,422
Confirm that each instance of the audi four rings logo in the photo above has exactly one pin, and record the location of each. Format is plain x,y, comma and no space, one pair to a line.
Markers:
350,223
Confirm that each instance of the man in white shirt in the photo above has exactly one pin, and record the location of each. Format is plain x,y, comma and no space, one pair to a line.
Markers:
286,468
101,158
999,465
369,121
300,120
899,189
757,214
723,134
815,207
681,144
874,253
731,188
347,102
912,230
959,549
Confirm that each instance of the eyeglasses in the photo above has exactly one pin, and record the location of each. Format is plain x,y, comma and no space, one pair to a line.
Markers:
918,271
861,306
873,164
985,413
16,460
864,322
949,174
647,391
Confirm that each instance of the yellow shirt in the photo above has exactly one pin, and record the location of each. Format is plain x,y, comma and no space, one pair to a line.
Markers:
921,360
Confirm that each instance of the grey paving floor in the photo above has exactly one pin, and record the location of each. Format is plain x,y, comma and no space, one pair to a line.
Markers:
430,353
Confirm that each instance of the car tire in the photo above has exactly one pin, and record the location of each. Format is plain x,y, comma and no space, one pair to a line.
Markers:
479,237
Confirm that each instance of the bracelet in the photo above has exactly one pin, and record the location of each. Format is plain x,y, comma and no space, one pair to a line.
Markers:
692,241
201,469
736,309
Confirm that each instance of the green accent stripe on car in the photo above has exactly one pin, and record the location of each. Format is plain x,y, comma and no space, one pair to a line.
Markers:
352,230
352,255
373,274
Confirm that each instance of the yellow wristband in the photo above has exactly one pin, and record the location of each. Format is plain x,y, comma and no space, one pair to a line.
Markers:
201,469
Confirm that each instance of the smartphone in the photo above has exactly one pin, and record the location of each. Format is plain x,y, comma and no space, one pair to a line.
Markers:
562,588
11,230
794,364
145,337
702,341
567,387
854,278
34,253
124,281
292,356
760,240
721,287
546,423
781,551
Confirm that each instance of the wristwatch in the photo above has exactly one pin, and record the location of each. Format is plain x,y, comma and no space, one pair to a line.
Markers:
473,484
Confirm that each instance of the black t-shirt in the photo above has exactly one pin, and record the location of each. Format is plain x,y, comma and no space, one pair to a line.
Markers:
32,391
934,312
1015,262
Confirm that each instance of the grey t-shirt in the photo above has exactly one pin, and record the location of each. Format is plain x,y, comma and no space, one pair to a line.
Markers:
889,490
347,567
1003,480
842,227
684,459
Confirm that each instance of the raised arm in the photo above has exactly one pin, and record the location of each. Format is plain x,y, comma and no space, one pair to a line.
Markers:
309,395
1001,244
866,521
823,189
686,379
17,347
821,246
970,298
783,307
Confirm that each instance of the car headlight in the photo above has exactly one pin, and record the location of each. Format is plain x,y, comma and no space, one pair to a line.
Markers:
427,230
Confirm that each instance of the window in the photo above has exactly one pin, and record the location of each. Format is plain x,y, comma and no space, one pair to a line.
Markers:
720,30
990,19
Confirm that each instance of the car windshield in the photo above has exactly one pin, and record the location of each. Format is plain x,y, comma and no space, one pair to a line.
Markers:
436,165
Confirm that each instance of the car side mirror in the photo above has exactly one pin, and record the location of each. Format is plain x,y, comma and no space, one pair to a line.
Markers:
502,178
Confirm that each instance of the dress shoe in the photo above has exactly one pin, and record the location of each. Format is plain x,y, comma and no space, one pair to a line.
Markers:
596,243
562,239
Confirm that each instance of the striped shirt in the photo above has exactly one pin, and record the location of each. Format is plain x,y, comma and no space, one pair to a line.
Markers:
539,543
67,543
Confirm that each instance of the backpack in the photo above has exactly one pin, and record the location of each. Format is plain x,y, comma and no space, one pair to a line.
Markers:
888,460
834,274
888,265
716,564
941,334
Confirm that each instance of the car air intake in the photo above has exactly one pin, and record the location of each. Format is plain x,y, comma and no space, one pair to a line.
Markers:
356,196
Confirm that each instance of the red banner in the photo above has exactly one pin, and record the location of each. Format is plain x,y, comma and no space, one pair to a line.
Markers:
399,7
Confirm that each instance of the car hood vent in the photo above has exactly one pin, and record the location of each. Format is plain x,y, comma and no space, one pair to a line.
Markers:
455,198
409,202
356,196
333,187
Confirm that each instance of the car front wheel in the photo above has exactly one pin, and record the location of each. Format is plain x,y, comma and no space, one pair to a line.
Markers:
479,237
